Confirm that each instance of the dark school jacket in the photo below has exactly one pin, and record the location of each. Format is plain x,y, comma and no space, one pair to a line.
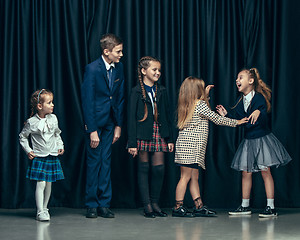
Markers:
144,130
260,128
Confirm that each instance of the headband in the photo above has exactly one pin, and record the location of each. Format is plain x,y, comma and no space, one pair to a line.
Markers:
38,98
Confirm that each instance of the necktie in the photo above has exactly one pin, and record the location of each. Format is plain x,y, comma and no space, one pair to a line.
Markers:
109,76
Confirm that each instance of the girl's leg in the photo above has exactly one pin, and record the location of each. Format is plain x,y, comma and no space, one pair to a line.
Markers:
246,188
39,195
157,178
143,183
47,194
270,210
185,177
269,187
194,188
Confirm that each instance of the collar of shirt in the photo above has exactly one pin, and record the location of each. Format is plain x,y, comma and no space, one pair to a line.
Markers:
107,65
247,99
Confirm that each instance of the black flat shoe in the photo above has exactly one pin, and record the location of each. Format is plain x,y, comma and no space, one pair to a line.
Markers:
91,213
105,212
160,213
204,212
182,212
149,214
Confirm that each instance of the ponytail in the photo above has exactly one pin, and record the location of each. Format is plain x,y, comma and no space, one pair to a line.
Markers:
261,87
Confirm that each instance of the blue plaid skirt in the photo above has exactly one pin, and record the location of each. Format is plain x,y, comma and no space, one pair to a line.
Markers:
46,169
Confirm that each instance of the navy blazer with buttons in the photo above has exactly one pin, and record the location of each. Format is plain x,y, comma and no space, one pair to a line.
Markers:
260,128
99,102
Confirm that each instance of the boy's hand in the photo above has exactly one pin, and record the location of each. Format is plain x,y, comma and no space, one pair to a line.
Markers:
221,110
254,116
31,155
133,151
61,151
171,147
117,134
94,139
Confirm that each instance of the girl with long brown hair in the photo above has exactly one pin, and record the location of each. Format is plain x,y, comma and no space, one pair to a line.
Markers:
260,149
149,132
193,116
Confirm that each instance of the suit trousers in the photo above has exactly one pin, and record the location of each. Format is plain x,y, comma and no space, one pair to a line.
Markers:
98,181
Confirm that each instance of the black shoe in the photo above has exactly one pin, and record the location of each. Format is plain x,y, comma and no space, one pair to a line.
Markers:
241,211
149,214
204,212
160,213
91,213
105,212
268,212
182,212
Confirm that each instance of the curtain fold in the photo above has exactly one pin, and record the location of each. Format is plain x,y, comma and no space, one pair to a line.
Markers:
46,44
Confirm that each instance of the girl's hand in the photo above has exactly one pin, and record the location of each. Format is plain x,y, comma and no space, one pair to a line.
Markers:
61,151
242,121
254,116
133,151
31,155
207,89
221,110
171,147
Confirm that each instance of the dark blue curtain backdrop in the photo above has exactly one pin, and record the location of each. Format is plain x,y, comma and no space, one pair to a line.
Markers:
46,44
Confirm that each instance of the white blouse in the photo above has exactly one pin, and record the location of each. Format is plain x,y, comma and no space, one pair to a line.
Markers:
45,136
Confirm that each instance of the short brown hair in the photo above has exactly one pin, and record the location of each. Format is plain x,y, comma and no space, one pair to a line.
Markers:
109,41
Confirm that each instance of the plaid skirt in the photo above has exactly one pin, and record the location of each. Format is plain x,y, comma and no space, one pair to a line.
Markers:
46,169
156,144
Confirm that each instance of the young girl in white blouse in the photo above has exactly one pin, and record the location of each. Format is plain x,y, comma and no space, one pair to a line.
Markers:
45,167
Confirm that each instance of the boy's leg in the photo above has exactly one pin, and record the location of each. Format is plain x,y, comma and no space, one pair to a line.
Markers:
104,180
93,165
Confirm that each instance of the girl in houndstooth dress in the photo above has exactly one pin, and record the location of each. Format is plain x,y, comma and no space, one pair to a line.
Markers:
193,116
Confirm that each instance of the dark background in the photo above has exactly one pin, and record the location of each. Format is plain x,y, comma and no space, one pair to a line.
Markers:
46,44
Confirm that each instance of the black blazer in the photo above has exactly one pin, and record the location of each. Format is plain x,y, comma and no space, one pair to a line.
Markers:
144,130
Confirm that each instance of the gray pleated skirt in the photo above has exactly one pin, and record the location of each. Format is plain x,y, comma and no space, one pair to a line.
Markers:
258,154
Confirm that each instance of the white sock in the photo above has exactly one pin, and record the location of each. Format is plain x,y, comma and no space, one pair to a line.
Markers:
245,202
39,195
270,203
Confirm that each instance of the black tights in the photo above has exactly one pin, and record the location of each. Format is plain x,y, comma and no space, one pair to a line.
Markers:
150,198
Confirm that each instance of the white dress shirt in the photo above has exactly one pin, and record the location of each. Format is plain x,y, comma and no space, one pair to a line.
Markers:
247,99
44,134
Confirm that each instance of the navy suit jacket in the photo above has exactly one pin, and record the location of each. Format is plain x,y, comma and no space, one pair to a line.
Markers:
260,128
100,104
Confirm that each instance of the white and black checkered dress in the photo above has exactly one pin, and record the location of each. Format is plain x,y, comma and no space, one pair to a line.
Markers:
192,140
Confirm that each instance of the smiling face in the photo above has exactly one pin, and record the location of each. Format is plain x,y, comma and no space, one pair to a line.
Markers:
152,73
244,83
113,55
47,106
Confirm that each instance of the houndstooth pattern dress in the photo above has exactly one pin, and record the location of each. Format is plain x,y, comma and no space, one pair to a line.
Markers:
192,139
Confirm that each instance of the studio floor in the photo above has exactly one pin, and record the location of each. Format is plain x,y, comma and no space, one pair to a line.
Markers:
67,223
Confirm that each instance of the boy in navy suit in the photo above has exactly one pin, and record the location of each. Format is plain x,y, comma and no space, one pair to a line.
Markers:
102,102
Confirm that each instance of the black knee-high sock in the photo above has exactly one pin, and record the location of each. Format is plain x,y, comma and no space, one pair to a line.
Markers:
157,178
143,173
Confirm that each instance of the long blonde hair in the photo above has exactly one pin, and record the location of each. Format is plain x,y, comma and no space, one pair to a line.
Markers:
259,86
192,89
